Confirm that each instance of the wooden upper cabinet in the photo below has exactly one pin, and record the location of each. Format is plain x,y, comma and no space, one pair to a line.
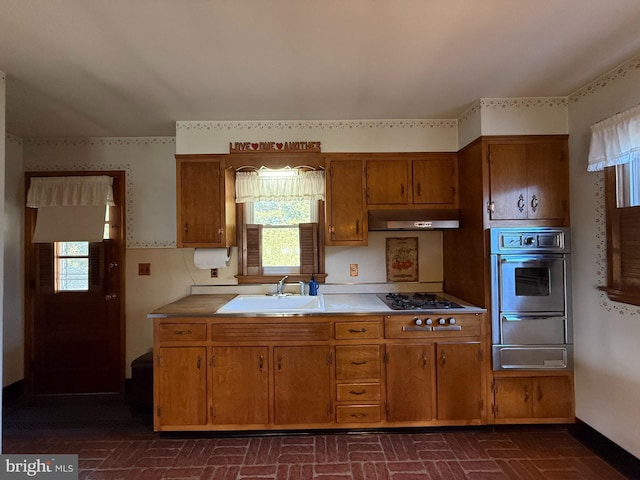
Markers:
428,180
388,182
435,180
529,180
205,202
346,214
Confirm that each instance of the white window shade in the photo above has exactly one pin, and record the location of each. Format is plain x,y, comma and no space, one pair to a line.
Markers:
89,191
252,187
70,209
615,141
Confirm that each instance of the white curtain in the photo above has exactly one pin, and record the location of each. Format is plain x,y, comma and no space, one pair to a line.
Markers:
70,209
615,141
253,187
89,191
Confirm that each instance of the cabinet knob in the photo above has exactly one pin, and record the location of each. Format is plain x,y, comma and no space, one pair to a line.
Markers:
534,203
521,203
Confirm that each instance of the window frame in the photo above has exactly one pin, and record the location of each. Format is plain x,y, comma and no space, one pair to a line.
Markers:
623,224
253,160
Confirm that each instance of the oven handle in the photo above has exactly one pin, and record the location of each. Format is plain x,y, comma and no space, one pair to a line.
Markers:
517,318
530,259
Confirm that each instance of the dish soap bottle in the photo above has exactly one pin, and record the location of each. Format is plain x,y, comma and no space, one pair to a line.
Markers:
313,286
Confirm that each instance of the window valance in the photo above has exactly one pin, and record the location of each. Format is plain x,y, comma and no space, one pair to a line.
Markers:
615,140
254,187
80,191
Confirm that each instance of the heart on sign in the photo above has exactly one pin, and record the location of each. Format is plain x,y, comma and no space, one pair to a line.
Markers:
279,146
254,146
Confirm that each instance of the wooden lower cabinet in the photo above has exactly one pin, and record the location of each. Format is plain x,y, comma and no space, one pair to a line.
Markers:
410,382
533,399
302,384
240,385
181,387
459,380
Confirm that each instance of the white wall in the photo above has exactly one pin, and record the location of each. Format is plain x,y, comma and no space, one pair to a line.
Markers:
606,334
13,223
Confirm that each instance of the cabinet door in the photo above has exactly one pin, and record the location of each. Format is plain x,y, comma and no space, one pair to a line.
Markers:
302,382
387,182
553,397
346,211
513,398
240,385
435,181
410,382
459,386
547,181
181,393
508,181
200,203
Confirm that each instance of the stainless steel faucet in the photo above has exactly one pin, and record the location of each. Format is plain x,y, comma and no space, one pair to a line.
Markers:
280,285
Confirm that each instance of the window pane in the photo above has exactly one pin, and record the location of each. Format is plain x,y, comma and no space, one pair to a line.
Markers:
280,247
73,274
73,249
628,184
282,213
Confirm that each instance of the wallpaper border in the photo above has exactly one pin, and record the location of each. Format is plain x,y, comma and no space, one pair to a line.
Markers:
276,125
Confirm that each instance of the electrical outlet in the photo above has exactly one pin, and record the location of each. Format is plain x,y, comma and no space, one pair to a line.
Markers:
144,269
214,273
353,270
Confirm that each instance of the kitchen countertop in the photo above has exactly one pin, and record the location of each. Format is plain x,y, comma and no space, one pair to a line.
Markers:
206,305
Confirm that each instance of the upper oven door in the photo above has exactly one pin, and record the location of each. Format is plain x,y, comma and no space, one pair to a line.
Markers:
532,283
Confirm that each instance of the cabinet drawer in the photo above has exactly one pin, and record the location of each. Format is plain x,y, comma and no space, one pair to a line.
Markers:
356,330
357,413
357,361
265,332
183,332
358,392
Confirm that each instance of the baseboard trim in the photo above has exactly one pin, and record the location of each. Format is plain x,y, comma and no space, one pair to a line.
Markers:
616,456
12,392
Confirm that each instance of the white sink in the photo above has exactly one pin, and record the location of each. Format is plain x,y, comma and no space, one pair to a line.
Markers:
274,304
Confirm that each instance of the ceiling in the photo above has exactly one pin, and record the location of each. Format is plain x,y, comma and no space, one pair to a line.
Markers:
134,67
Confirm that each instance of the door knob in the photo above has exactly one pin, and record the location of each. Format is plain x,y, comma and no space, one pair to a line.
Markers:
110,296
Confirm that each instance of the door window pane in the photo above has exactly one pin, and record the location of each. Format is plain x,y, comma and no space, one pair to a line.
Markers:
72,266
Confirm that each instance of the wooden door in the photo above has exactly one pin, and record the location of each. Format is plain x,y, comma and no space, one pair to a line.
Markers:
387,182
553,397
459,381
240,385
508,181
182,390
302,383
513,398
435,181
547,181
410,382
346,210
75,338
200,201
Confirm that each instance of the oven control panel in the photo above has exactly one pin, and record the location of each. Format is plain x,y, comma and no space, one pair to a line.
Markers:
432,325
536,240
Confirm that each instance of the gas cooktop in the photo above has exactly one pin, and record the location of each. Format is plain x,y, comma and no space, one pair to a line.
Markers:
416,301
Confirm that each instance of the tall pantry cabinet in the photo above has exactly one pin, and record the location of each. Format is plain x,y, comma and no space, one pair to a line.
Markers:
509,181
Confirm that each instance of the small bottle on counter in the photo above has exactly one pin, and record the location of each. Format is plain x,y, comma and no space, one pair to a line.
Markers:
302,291
313,286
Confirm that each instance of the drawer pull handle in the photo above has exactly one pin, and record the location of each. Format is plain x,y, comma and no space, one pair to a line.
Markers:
360,392
261,363
359,362
358,415
354,330
182,332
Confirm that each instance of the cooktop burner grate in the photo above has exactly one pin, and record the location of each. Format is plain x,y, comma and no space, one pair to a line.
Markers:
417,301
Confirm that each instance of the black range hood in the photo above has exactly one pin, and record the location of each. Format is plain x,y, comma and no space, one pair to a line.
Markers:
413,219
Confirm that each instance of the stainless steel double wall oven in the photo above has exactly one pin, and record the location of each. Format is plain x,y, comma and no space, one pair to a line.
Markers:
531,298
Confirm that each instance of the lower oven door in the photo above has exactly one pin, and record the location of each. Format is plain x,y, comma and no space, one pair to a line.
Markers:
533,330
532,283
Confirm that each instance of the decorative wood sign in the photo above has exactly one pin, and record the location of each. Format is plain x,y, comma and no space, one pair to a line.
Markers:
294,147
402,259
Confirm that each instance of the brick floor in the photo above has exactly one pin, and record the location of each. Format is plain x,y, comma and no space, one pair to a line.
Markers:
124,447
